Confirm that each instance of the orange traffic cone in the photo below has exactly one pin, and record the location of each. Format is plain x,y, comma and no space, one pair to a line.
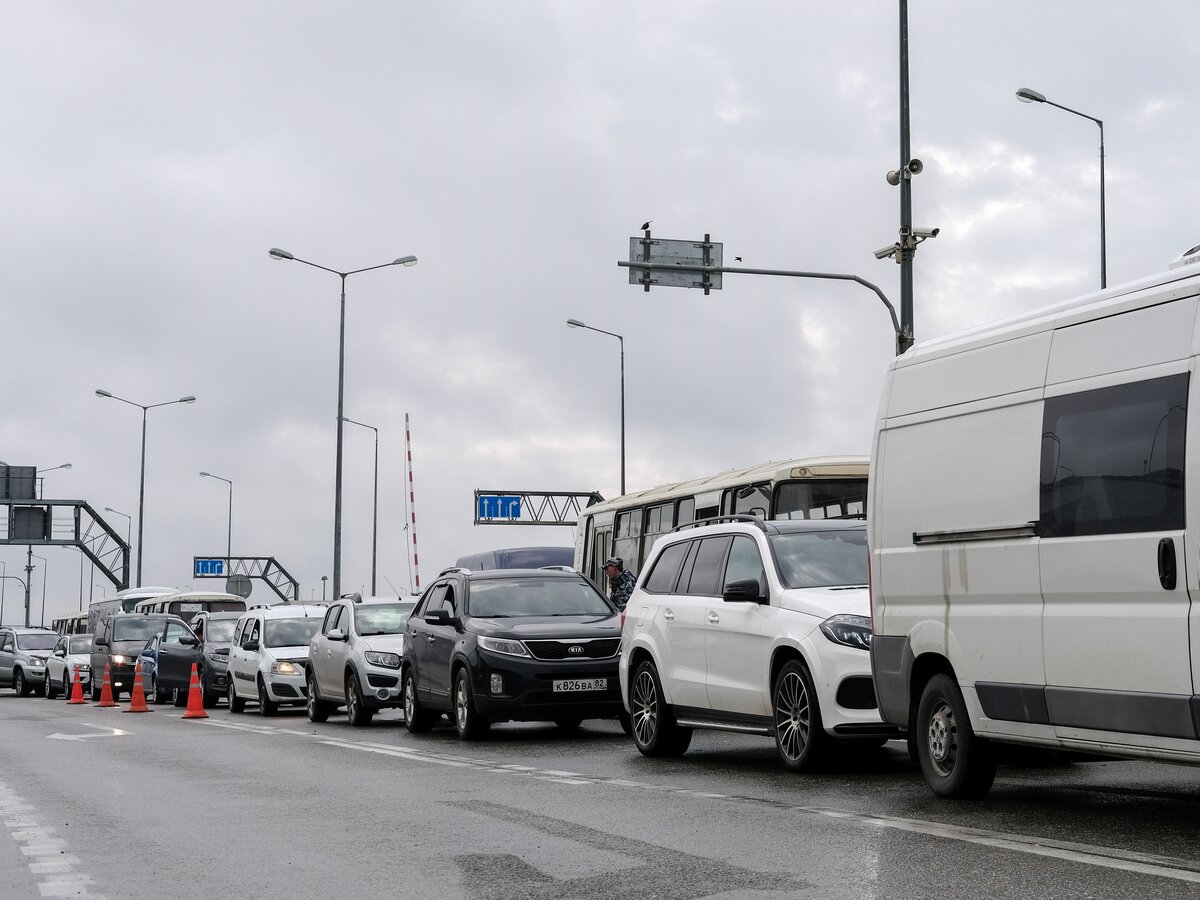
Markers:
137,698
106,697
195,707
76,689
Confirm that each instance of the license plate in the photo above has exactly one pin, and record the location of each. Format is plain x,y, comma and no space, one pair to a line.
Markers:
570,685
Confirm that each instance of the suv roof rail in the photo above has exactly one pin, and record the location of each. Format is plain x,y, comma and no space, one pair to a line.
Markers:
460,569
353,597
733,517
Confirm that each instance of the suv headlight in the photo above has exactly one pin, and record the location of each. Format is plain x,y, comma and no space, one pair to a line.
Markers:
849,631
118,660
500,645
387,660
284,668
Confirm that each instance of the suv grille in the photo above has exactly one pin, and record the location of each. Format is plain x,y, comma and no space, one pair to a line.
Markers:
591,648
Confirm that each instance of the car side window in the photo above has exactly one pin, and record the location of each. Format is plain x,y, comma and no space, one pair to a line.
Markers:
249,632
666,568
745,564
5,643
706,573
60,649
175,631
331,619
437,597
448,601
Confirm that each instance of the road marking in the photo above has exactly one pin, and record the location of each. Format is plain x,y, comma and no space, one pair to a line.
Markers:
46,852
104,731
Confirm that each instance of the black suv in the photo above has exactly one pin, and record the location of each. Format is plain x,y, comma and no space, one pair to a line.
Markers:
534,645
119,639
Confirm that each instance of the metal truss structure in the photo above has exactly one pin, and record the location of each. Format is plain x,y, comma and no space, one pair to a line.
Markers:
264,568
69,523
540,507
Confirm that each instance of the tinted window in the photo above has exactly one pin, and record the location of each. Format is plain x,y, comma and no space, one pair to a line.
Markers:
1113,459
382,618
290,632
706,573
745,564
512,597
808,559
666,569
136,628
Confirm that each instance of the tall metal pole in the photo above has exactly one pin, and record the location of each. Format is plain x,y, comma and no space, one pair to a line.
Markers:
337,478
622,340
229,531
907,249
141,498
3,577
28,580
375,517
1103,251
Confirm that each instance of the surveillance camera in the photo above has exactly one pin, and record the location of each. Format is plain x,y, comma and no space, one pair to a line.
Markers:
885,252
925,232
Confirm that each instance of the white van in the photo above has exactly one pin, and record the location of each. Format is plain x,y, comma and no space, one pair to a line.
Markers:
1035,534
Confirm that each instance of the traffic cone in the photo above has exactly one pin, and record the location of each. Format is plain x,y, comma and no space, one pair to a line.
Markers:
76,688
195,707
137,697
106,697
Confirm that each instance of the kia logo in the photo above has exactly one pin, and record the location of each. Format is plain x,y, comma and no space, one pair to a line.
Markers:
576,649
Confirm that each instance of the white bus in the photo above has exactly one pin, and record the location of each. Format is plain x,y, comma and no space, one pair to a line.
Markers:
122,601
186,604
75,623
823,487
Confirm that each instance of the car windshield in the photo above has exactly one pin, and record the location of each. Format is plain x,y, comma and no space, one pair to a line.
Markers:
81,644
382,618
219,631
290,632
808,559
136,629
512,597
37,641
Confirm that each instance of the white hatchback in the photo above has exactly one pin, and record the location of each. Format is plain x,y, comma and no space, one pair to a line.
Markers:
72,653
760,627
269,656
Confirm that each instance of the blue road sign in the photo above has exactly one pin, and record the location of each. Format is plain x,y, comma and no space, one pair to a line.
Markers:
212,568
499,506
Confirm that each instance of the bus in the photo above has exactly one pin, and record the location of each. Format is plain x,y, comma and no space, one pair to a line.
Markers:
823,487
185,604
122,601
75,623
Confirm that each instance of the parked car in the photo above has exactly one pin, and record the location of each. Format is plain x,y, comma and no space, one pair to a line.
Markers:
167,661
72,653
752,626
23,655
355,658
215,631
269,656
515,644
118,641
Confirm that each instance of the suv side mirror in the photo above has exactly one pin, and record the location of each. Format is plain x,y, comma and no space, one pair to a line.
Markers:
439,616
336,635
743,592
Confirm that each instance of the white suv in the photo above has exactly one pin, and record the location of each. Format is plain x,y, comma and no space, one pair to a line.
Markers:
761,627
355,658
269,655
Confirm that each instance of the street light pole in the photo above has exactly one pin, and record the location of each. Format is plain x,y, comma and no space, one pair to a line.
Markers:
25,585
128,521
229,535
276,253
575,323
142,477
1028,95
374,504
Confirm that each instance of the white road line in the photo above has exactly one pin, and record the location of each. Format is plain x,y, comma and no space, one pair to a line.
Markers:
47,853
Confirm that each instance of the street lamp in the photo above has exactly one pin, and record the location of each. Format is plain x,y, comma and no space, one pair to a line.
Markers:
128,521
24,586
229,536
142,478
1028,95
575,323
51,469
276,253
375,503
324,578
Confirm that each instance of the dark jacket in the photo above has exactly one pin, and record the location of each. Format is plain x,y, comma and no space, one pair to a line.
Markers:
621,588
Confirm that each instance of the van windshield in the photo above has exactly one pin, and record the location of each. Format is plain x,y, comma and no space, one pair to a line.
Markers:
807,559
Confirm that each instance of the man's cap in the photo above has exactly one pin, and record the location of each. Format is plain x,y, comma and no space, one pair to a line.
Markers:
614,561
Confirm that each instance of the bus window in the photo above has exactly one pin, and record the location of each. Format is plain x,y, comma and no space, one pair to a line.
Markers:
751,500
687,511
627,538
659,520
820,499
601,551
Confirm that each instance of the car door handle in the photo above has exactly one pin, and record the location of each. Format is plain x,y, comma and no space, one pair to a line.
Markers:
713,618
1166,564
668,615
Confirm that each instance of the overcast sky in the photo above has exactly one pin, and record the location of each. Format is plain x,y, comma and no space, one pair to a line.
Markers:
153,153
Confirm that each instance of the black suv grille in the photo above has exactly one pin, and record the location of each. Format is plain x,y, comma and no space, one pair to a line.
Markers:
590,648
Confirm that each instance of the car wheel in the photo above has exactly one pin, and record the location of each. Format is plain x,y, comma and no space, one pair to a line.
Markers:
95,692
266,706
179,698
209,699
236,703
416,718
152,689
568,726
956,762
799,735
49,691
626,722
654,728
357,712
317,709
67,687
20,685
470,725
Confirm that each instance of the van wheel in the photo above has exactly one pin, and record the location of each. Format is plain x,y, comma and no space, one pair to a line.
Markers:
236,703
470,725
317,709
417,719
956,762
357,712
654,728
266,706
799,735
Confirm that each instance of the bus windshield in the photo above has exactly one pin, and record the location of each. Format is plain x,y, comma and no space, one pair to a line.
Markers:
820,500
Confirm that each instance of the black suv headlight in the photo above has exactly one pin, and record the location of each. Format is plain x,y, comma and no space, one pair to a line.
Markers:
502,645
849,631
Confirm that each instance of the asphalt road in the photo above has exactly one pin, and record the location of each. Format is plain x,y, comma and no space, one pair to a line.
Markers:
98,802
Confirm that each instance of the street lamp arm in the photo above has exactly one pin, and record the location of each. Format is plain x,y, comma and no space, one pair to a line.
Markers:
1076,112
368,269
318,266
361,424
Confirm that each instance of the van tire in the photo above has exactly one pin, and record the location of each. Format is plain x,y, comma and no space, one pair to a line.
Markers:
655,730
956,763
236,703
800,738
266,706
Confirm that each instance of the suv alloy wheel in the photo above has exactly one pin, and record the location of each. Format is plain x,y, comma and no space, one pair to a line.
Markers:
799,735
470,725
416,719
654,729
357,712
318,710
